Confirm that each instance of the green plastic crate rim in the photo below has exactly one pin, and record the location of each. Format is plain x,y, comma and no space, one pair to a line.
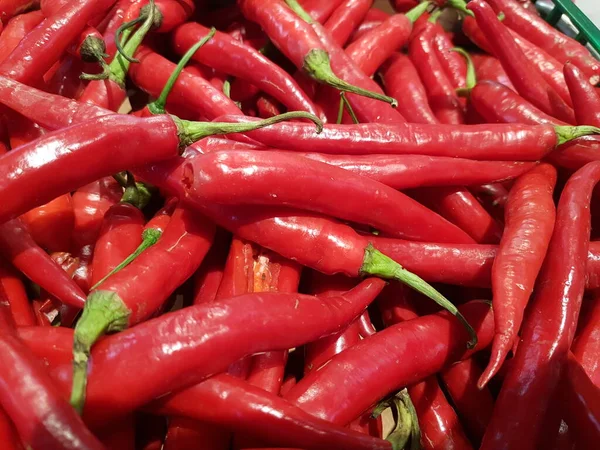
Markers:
587,32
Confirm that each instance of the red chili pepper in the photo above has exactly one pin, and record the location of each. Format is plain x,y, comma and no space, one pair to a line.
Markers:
587,344
12,8
429,352
440,91
460,207
528,81
321,11
308,45
529,219
474,405
243,62
13,292
207,174
401,79
65,80
536,367
33,402
580,400
208,277
42,47
51,225
266,107
119,435
17,28
172,13
345,19
453,63
490,68
8,434
499,142
373,19
532,27
373,48
585,98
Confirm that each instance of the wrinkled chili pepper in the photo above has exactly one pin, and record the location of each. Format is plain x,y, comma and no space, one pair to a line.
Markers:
529,222
544,344
586,100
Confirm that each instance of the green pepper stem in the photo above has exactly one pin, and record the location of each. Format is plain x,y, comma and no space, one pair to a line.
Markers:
344,103
318,65
435,16
461,6
190,132
471,79
104,312
568,133
124,32
377,264
406,421
158,106
417,11
150,237
93,49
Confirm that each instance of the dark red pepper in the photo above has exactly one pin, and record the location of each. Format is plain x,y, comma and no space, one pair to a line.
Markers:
13,292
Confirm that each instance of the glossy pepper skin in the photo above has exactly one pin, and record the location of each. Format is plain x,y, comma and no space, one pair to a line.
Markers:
275,181
29,396
243,61
586,100
51,225
13,292
318,392
42,47
344,19
542,353
489,68
529,222
16,29
91,145
187,357
587,344
497,142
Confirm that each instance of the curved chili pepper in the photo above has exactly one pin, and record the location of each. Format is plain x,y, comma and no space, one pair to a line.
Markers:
435,350
207,174
51,308
51,225
185,434
12,8
529,219
440,91
373,19
208,277
490,68
243,62
525,77
18,247
307,318
321,11
311,49
344,19
460,207
371,50
33,402
586,100
172,13
453,64
587,344
540,33
17,28
499,142
536,367
401,79
474,405
42,47
13,292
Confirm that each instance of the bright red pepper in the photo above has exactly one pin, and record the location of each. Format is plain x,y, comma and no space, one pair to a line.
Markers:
542,353
489,68
320,11
33,402
529,219
373,19
12,8
587,344
345,19
16,29
208,277
453,63
51,225
586,100
207,174
12,291
172,13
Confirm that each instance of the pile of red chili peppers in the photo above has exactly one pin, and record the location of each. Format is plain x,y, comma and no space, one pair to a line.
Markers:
223,223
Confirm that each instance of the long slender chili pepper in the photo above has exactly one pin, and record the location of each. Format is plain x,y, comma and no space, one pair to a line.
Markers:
525,77
51,225
539,32
372,49
33,402
310,48
321,11
93,145
490,68
373,19
401,80
208,277
529,218
536,367
499,142
243,62
42,47
453,64
18,247
17,28
207,174
344,19
586,100
116,303
429,352
13,292
587,344
440,91
12,8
